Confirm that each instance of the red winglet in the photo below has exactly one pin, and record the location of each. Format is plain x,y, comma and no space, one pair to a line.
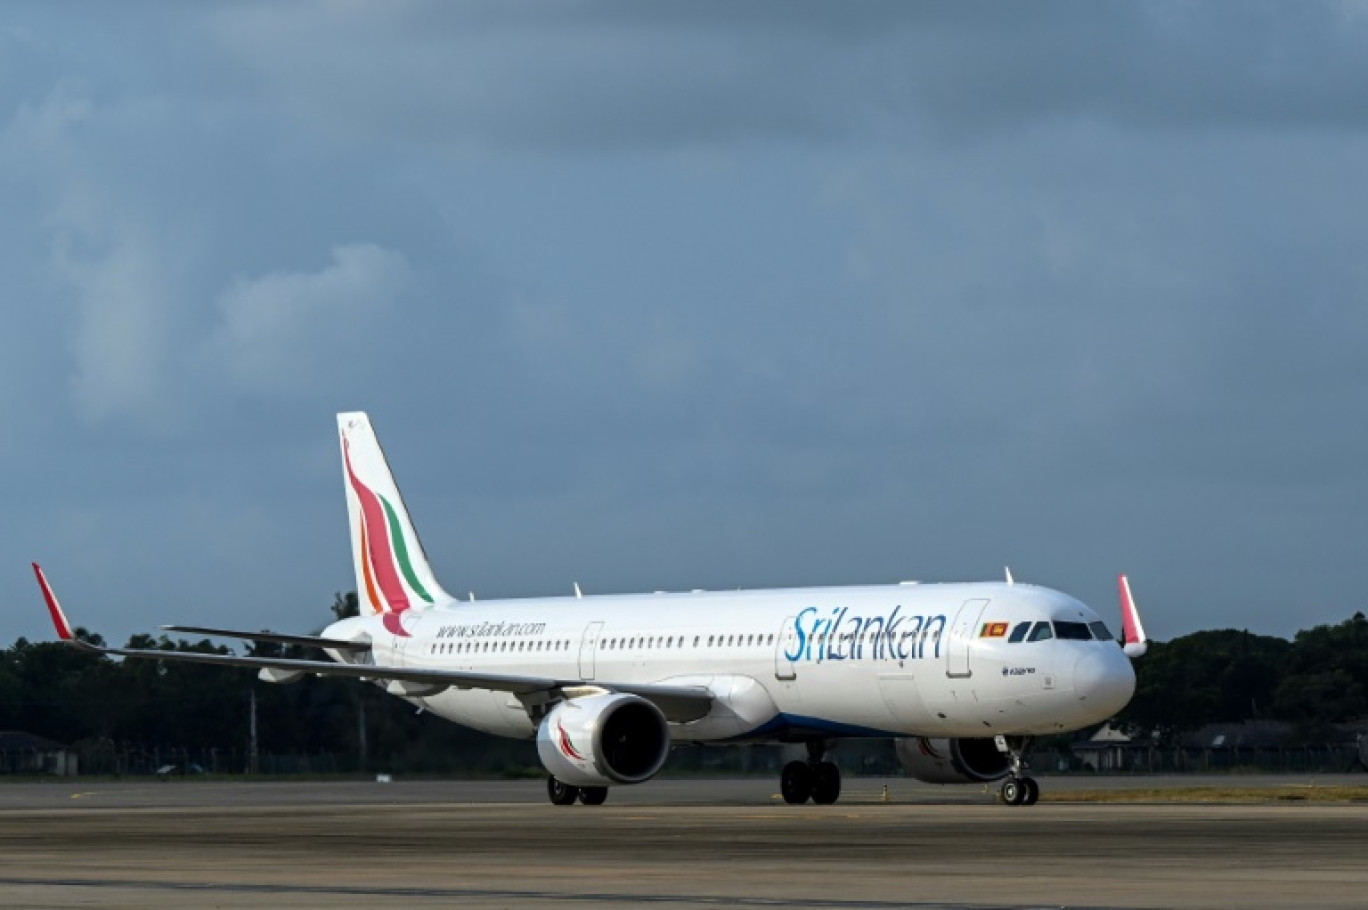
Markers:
58,617
1133,639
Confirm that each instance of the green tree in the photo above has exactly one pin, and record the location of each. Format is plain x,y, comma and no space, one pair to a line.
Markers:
1326,677
1222,675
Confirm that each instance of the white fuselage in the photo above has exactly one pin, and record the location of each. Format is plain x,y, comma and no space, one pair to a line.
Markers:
790,664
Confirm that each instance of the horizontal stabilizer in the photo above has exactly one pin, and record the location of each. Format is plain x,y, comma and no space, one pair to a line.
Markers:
305,641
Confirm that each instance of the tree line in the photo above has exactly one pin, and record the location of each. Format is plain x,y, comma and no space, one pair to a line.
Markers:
141,707
1316,680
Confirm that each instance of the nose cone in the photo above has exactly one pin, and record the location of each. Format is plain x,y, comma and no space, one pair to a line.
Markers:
1104,681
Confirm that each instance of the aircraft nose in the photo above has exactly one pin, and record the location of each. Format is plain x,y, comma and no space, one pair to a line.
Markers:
1104,680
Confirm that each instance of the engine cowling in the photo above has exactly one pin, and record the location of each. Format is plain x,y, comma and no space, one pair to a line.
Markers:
604,739
951,761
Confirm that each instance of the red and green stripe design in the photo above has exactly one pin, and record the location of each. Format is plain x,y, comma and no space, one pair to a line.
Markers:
386,564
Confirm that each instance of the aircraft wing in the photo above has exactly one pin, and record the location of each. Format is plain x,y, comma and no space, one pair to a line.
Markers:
308,641
677,703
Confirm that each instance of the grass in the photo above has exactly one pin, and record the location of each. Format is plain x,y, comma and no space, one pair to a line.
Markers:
1312,793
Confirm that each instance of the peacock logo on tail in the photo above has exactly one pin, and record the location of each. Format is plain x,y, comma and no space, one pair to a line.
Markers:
391,584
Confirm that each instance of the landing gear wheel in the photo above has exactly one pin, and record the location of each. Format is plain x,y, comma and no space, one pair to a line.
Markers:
1032,795
795,783
826,783
562,794
1013,793
593,796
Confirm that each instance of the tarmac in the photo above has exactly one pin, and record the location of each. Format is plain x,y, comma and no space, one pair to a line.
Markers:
673,843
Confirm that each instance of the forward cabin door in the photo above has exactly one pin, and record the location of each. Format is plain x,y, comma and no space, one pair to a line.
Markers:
962,635
588,649
786,643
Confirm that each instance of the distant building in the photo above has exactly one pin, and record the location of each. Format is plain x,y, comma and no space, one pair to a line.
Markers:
24,753
1241,736
1105,750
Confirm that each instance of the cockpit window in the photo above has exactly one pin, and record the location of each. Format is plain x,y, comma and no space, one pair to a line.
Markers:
1019,632
1100,631
1073,631
1041,632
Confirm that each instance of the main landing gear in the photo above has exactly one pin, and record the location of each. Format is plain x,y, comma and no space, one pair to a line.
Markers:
813,779
1017,789
562,794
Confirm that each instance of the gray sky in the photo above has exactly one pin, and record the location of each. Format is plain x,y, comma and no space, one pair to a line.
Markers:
686,295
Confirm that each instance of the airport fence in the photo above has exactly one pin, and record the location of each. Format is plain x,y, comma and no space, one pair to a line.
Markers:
869,758
106,759
1330,758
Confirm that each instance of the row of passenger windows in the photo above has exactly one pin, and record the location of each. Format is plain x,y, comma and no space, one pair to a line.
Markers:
1023,631
484,647
671,641
606,644
1070,631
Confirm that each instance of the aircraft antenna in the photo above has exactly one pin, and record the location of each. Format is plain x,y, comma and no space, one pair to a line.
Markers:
579,595
1010,579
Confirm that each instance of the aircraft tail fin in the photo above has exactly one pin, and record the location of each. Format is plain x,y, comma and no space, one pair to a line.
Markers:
392,572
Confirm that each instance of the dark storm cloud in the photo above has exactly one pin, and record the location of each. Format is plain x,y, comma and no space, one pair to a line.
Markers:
696,294
622,75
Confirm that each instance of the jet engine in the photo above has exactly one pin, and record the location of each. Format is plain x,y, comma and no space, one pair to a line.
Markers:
605,739
951,761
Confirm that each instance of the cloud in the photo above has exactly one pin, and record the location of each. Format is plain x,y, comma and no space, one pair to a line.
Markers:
123,338
104,258
291,332
612,75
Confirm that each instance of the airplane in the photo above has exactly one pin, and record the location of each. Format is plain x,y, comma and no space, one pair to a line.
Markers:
961,676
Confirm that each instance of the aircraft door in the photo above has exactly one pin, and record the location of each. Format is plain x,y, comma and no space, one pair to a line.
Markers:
962,635
786,642
589,649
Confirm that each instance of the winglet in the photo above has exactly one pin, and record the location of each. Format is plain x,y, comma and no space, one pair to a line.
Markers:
58,617
1134,642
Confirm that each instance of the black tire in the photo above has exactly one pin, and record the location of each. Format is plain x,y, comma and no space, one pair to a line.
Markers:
795,783
593,796
1032,795
1012,792
826,783
561,794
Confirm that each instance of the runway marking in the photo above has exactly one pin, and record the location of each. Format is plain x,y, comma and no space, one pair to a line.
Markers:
449,893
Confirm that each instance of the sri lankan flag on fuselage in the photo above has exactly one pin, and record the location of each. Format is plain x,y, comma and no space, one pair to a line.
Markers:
993,630
392,572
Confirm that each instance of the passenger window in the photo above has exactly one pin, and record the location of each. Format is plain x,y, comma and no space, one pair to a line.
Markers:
1019,632
696,640
1100,631
1041,632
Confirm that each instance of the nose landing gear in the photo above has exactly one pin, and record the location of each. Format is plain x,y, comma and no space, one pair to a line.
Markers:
1018,789
813,779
